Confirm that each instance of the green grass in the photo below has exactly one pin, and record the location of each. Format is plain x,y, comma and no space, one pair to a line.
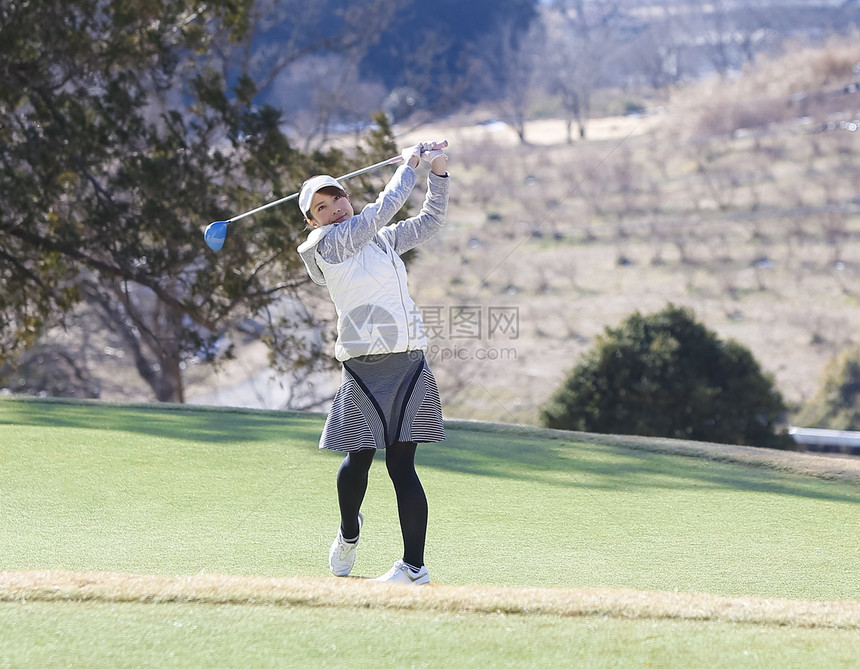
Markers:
183,635
146,490
91,487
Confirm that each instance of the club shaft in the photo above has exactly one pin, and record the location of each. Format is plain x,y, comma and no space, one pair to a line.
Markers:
390,161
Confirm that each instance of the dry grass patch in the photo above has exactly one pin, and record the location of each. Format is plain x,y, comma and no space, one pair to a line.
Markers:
801,81
57,586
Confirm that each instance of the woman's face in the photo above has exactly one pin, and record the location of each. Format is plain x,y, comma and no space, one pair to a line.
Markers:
328,209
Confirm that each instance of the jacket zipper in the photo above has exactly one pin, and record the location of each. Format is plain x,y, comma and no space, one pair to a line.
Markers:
402,304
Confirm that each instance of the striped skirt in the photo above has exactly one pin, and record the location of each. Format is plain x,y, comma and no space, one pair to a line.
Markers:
382,400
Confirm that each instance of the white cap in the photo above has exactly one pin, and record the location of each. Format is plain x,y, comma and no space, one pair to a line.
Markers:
310,188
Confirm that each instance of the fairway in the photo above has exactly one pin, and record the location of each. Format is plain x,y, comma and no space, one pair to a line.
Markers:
188,635
181,492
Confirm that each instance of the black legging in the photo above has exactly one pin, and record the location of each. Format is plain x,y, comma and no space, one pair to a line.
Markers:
411,501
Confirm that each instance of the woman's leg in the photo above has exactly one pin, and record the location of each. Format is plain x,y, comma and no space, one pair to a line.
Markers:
351,486
411,501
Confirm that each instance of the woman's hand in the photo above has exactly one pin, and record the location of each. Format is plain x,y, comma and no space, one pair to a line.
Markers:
433,153
412,155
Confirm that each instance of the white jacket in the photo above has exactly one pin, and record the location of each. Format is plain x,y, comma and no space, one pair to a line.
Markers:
359,261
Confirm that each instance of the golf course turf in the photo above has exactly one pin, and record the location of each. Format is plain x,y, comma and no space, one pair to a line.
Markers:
221,519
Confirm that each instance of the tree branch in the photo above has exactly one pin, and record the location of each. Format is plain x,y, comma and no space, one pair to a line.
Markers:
110,269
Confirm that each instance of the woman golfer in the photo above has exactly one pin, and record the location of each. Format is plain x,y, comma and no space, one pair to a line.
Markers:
388,398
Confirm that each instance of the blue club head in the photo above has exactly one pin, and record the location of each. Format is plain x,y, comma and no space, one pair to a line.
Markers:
215,235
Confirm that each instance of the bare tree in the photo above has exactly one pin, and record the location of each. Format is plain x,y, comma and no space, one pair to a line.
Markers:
728,34
654,58
325,94
284,32
581,39
511,63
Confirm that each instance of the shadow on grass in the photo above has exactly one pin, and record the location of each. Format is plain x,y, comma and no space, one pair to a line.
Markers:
477,451
172,421
593,465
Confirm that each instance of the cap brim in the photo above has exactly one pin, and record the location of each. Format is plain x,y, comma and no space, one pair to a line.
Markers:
311,187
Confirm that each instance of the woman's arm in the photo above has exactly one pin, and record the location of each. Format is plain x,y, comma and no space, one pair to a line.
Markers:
411,232
349,237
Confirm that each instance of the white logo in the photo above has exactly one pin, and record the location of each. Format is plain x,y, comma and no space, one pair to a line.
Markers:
369,327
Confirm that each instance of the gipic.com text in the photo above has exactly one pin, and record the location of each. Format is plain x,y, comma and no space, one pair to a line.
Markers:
461,353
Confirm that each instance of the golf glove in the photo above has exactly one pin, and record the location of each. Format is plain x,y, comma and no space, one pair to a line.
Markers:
411,151
431,150
431,155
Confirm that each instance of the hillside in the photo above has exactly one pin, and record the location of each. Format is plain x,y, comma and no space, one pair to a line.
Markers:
735,198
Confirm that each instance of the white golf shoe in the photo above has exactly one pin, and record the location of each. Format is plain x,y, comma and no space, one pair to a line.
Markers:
341,555
402,573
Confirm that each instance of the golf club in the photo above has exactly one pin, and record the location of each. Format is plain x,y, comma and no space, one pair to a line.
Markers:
216,232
